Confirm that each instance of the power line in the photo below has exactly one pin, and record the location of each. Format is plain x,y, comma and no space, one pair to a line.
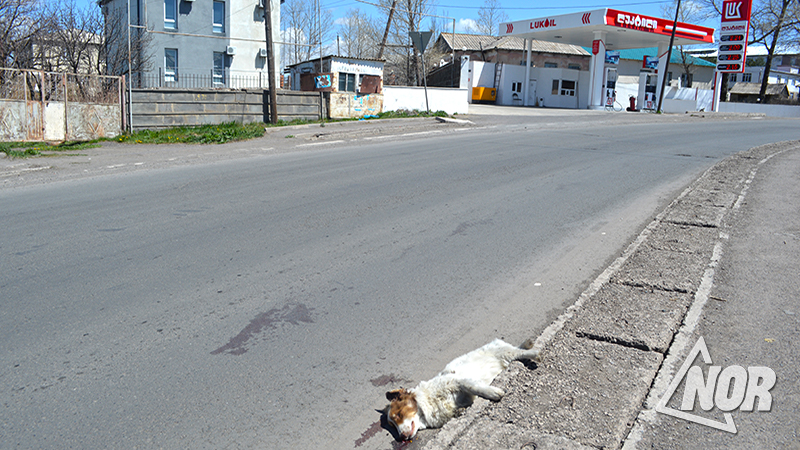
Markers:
555,7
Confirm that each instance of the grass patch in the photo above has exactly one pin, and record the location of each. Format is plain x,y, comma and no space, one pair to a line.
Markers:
37,149
404,113
206,134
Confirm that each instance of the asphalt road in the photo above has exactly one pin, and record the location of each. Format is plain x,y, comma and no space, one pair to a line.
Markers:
269,301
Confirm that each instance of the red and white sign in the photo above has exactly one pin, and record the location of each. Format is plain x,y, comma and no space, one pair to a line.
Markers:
655,25
736,10
595,46
734,28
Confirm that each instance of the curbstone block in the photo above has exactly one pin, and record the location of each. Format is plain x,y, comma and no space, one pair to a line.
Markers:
584,390
661,269
642,318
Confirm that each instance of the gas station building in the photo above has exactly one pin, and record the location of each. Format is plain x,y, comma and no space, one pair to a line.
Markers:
602,30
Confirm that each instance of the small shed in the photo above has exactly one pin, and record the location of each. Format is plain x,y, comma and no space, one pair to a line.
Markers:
334,73
748,92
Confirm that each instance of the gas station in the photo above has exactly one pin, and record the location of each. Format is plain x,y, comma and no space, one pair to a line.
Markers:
608,30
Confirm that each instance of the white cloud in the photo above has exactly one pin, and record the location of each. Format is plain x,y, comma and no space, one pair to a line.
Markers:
466,26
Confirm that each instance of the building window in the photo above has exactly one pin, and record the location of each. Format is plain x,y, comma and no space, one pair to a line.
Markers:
550,65
574,66
568,88
170,64
554,91
732,78
171,14
347,82
218,74
219,17
516,86
746,77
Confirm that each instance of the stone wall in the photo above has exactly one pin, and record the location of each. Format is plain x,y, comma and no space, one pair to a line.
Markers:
163,108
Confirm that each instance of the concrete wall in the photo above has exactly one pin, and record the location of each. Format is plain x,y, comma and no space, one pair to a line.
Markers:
57,121
449,100
482,74
342,105
162,108
769,110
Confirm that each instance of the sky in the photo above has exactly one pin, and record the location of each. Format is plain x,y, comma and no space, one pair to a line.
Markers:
466,11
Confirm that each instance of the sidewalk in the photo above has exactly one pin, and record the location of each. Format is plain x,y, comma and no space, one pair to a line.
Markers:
721,262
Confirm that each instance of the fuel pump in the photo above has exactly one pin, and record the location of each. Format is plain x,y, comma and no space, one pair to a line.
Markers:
610,86
647,90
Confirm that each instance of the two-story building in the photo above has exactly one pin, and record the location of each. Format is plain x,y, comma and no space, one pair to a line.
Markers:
218,43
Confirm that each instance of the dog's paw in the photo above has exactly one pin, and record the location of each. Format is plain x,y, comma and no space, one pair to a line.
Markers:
528,344
532,355
494,393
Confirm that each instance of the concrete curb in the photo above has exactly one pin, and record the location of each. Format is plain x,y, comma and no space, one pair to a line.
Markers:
601,357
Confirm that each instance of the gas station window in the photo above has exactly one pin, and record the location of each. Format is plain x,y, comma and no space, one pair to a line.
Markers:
550,65
568,88
732,78
574,66
747,77
555,87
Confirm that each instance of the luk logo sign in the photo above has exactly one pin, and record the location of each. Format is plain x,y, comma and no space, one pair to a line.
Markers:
735,10
727,388
732,11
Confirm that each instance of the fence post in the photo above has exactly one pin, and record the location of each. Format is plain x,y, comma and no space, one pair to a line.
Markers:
66,106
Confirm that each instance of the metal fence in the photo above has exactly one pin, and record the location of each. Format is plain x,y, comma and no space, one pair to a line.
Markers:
35,85
196,80
38,105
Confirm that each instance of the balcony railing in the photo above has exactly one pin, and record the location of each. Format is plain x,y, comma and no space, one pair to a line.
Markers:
211,79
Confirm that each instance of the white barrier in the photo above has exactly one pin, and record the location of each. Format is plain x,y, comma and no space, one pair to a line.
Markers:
449,100
769,110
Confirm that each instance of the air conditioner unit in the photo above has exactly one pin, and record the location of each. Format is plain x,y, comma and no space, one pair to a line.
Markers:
262,52
230,50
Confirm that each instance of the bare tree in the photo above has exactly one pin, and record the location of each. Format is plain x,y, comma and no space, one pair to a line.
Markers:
402,65
114,54
21,21
690,12
359,35
304,22
490,15
772,23
74,40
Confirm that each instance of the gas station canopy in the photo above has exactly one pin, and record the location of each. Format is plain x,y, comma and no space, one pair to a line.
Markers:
622,29
608,29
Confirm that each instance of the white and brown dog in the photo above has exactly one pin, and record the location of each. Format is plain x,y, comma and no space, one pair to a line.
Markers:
432,403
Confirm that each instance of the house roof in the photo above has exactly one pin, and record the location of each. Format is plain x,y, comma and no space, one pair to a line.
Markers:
755,89
477,42
638,54
338,57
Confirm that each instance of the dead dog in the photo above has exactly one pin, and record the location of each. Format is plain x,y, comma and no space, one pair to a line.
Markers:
432,403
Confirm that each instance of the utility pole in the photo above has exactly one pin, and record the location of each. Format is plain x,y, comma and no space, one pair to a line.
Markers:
273,94
386,32
669,55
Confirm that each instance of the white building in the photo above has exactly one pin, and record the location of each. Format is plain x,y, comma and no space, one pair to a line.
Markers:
200,43
337,74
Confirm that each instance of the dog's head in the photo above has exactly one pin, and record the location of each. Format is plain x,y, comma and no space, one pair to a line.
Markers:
403,413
